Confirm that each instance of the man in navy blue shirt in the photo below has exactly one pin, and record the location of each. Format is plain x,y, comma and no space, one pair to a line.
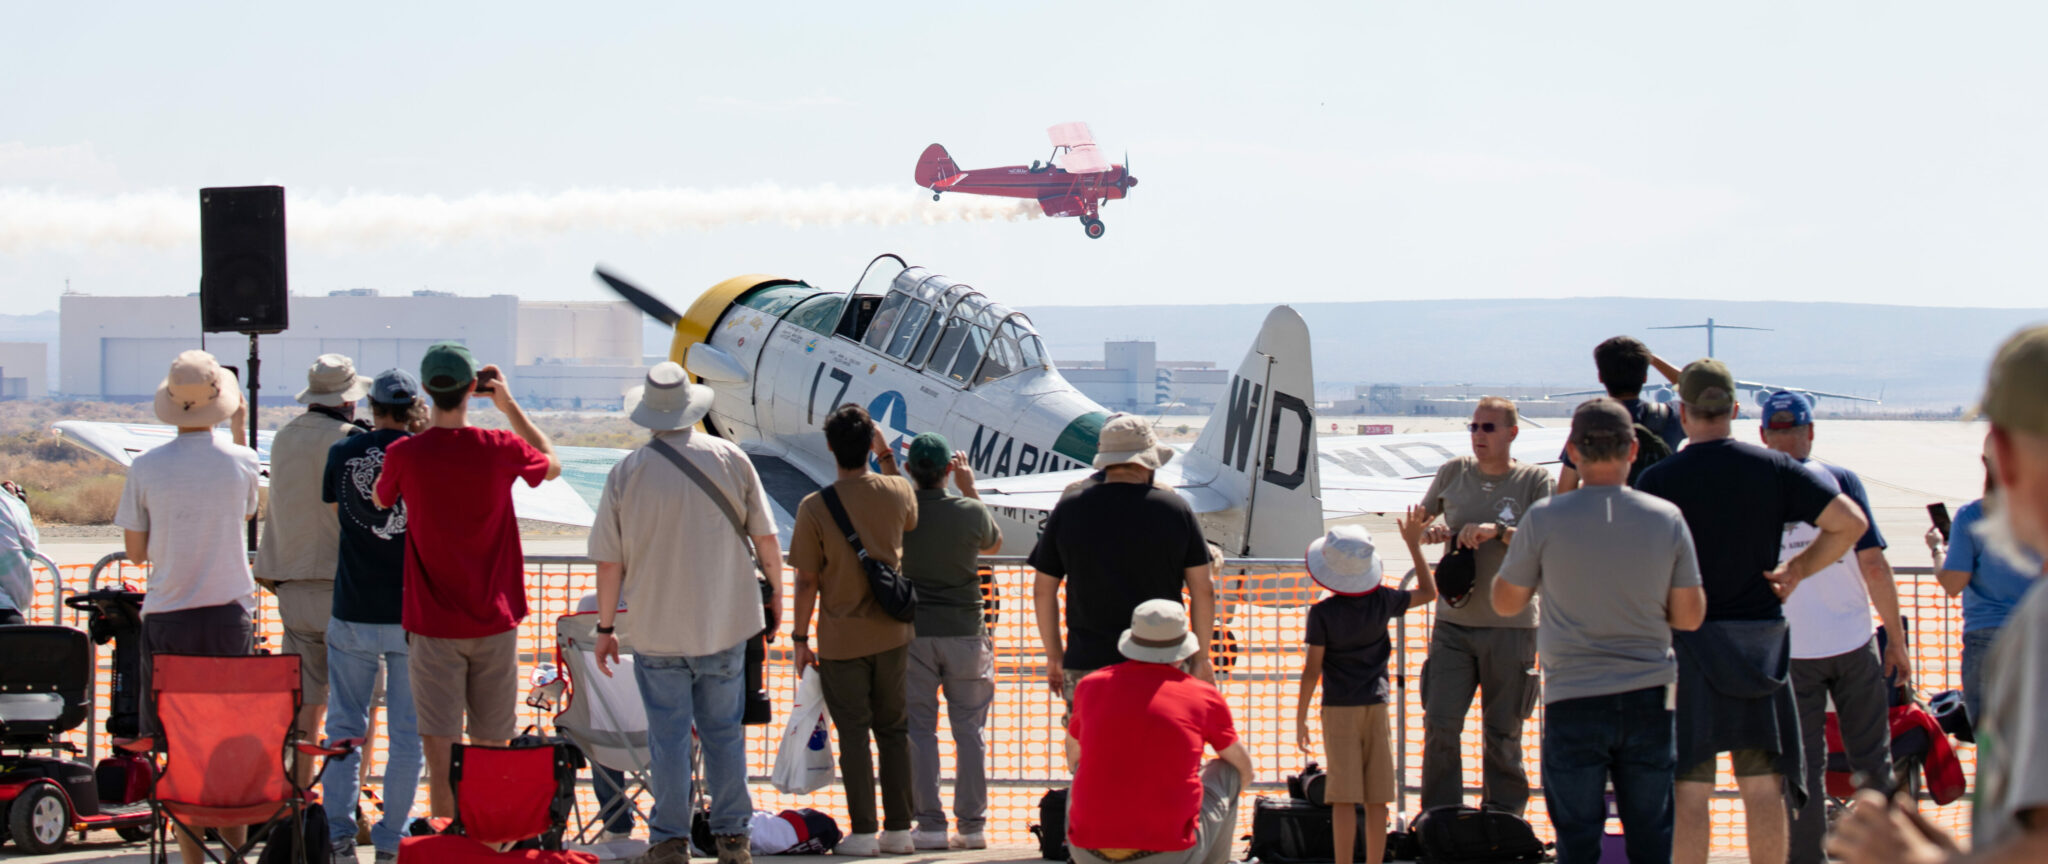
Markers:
1624,364
1737,499
369,577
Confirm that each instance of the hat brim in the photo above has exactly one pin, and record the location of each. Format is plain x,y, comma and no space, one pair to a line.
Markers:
208,413
1150,457
349,395
1170,654
1336,583
696,404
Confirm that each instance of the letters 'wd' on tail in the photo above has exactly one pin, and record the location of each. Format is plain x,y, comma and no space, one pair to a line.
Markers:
935,165
1258,451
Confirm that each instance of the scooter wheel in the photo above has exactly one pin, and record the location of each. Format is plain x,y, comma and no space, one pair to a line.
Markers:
40,821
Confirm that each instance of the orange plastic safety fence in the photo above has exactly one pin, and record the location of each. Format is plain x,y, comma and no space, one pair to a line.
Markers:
1262,609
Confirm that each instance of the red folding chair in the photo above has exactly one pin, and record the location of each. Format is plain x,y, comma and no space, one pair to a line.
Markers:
504,795
224,729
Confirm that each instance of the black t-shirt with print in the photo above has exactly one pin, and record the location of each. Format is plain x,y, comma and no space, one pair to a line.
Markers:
369,574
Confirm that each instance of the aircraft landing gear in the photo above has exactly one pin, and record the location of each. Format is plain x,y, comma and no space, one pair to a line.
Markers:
935,196
1093,227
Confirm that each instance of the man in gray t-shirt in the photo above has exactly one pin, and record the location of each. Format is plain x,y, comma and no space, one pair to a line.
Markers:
1481,498
1616,571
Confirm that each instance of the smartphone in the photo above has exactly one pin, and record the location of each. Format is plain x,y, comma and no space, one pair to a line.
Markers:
1939,513
484,380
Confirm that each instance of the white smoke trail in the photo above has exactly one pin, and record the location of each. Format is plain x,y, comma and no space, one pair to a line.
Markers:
38,221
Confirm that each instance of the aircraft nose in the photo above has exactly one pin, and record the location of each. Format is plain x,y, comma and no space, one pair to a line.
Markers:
1130,181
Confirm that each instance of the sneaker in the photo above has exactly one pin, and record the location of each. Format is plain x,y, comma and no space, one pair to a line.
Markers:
734,849
344,849
929,839
970,840
604,837
897,843
384,857
858,845
674,850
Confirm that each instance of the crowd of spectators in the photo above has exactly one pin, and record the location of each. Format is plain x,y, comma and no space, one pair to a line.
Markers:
1689,595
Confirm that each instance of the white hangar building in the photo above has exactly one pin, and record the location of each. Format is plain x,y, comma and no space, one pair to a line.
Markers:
558,354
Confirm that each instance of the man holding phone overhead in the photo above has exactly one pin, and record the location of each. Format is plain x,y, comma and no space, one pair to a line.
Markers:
465,585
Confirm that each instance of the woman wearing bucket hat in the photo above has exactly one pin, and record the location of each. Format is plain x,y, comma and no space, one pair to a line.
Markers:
1141,727
1347,654
184,507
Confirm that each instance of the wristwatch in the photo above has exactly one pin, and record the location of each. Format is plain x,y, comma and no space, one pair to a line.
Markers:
602,630
800,640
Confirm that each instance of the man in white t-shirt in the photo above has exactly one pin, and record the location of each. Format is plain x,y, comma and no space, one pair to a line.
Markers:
1835,651
183,510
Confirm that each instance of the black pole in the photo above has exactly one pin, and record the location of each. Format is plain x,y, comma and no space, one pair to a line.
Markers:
254,365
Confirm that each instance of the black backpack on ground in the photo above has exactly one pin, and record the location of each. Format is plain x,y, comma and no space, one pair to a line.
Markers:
894,593
1308,785
278,848
1051,829
1651,420
1293,831
1462,835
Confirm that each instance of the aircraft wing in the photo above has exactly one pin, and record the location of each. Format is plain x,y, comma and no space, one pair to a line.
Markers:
1387,473
1074,134
568,500
1601,392
1767,388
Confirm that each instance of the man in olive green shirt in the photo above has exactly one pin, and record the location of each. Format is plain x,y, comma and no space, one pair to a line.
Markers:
1481,498
952,649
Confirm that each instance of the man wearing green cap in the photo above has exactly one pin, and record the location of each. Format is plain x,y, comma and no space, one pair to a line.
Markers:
951,650
465,584
1737,499
2009,819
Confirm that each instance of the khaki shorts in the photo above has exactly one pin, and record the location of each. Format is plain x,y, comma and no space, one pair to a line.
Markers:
1748,763
303,607
1361,766
449,675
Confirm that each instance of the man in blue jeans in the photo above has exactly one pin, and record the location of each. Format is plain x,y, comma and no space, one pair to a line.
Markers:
364,632
672,532
1617,573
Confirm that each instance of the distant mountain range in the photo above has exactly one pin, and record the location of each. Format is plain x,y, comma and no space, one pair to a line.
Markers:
1916,357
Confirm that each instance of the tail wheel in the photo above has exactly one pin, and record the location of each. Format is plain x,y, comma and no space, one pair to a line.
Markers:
39,820
1093,227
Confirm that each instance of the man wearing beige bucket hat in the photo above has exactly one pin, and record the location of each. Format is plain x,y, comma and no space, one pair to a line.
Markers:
1142,789
296,559
674,526
184,507
1117,543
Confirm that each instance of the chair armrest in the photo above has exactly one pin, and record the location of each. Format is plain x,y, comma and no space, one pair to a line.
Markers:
136,745
341,747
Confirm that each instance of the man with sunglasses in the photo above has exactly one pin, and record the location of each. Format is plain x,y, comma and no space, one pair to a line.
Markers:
1481,498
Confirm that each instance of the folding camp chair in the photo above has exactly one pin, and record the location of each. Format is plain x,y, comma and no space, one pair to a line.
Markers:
224,732
504,795
603,715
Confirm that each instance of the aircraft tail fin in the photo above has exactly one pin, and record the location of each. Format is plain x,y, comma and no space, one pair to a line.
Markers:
935,165
1258,450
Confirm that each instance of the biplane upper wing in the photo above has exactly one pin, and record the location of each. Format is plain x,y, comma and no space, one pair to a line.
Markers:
1075,134
1082,155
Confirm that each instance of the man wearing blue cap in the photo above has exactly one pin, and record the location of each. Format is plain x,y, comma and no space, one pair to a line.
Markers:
1834,645
364,632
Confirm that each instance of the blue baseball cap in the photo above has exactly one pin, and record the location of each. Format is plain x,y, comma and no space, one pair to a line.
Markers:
1787,410
395,387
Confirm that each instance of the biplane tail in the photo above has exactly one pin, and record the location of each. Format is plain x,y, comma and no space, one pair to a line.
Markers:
935,165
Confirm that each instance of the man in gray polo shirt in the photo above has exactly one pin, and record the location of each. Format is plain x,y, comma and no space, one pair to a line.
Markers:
1617,574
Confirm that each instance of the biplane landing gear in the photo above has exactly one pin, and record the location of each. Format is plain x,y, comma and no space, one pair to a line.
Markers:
935,196
1093,227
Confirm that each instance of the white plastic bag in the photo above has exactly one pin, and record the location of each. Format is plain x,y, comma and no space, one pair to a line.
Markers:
803,762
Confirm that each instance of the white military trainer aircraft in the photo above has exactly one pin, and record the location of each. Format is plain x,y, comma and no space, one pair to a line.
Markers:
926,353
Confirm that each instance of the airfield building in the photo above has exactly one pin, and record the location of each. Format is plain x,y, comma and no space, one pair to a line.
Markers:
558,354
24,370
1131,377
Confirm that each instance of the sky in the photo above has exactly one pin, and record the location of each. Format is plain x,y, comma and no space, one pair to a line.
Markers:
1858,152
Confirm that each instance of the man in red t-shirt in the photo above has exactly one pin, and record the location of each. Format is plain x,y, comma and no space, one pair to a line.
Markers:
1141,787
465,585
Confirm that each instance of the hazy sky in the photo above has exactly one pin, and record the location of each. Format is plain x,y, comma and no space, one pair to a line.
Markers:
1868,152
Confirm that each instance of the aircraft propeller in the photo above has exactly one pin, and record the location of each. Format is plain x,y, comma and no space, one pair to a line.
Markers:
646,302
1129,179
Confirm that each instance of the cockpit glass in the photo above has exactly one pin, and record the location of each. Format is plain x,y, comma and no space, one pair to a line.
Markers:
914,315
1003,360
970,355
932,328
1034,353
885,318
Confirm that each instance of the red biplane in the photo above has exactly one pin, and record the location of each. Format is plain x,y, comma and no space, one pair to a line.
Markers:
1078,186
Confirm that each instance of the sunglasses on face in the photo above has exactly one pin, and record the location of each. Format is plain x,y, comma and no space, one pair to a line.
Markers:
1488,427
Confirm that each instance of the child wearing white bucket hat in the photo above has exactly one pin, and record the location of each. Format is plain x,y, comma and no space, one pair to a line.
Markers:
1348,646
